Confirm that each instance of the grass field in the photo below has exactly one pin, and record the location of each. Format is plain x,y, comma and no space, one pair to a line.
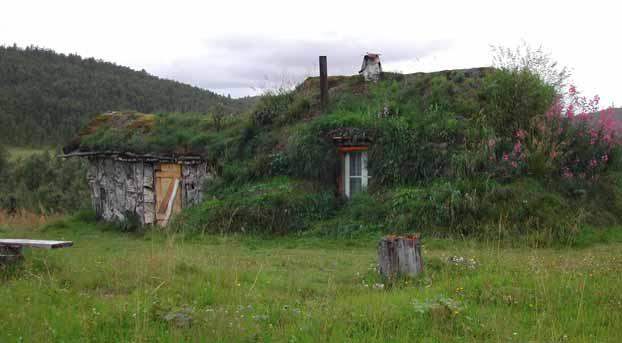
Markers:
113,287
20,152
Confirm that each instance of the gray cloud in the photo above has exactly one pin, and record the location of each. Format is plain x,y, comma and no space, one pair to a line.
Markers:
241,64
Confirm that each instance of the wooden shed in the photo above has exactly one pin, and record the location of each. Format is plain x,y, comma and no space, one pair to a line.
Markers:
152,187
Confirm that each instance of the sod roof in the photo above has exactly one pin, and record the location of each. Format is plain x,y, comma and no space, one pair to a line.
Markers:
199,136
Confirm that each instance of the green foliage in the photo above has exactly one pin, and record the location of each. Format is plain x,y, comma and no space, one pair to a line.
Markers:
44,183
442,160
310,152
275,206
45,97
517,213
279,107
514,98
4,161
438,164
488,209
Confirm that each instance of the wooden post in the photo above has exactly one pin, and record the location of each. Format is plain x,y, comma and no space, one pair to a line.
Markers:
10,254
323,83
400,256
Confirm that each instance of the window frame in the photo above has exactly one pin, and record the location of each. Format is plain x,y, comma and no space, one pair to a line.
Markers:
346,173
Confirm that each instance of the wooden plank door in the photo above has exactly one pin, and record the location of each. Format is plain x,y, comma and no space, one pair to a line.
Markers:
168,192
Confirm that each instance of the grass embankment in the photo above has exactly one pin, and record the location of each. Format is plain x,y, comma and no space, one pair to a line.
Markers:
117,287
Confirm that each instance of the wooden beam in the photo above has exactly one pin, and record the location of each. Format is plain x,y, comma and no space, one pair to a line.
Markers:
323,83
171,203
34,243
347,149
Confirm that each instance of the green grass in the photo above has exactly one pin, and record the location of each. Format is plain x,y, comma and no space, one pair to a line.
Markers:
113,287
23,152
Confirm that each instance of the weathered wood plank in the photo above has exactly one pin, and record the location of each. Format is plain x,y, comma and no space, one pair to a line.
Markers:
400,255
35,243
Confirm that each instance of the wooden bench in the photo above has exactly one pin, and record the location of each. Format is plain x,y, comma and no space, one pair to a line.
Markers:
11,249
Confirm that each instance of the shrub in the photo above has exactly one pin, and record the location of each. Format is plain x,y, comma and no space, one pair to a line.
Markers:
488,210
514,98
274,107
45,183
276,206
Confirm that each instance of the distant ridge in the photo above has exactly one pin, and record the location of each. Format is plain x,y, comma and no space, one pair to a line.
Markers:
617,115
45,97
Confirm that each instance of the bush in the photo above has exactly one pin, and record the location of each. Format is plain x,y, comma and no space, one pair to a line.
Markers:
487,210
514,98
276,206
273,107
45,183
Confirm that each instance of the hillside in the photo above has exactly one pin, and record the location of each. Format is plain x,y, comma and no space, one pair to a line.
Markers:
45,97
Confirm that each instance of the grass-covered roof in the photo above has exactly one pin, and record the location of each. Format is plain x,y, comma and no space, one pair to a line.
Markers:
170,134
205,135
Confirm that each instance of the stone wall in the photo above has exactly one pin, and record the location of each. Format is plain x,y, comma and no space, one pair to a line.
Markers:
120,188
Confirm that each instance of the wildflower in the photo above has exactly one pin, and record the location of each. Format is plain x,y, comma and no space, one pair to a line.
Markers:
604,158
514,164
570,112
593,163
506,157
517,148
567,174
521,134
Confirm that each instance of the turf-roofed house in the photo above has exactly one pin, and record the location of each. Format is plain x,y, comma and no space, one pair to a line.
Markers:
138,170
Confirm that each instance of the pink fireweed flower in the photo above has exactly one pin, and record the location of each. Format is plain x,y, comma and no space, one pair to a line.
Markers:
506,157
593,163
514,164
570,112
567,174
517,148
556,109
604,158
521,134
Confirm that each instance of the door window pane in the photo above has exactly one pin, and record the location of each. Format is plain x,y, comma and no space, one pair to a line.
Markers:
355,185
356,164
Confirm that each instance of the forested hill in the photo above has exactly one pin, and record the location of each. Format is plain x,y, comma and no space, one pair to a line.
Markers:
45,97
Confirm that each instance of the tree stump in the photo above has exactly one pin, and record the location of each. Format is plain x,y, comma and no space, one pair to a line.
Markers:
400,256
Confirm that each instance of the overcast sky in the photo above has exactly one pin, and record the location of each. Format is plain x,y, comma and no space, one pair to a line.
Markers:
241,47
